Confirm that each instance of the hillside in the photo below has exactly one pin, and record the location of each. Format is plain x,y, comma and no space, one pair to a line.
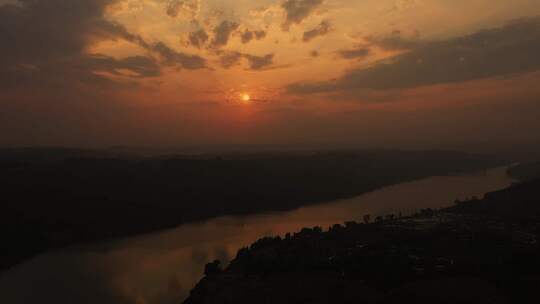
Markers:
475,252
55,198
525,171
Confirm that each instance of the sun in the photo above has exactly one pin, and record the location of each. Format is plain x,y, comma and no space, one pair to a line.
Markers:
245,97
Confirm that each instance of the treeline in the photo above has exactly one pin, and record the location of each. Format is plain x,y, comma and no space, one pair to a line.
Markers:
66,196
526,171
479,251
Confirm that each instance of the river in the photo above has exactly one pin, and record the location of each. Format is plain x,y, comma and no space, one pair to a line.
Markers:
161,267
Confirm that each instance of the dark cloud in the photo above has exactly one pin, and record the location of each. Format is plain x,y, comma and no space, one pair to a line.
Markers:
248,35
256,63
45,42
357,53
198,38
172,57
259,62
322,29
260,34
175,7
167,54
139,66
46,29
298,10
230,59
510,49
395,41
223,32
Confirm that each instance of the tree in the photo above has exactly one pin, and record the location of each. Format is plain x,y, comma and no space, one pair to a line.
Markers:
212,268
367,218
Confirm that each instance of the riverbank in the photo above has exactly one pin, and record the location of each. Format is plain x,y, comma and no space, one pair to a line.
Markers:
64,201
479,251
163,266
525,171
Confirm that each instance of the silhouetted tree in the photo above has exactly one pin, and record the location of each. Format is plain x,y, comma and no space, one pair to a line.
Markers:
428,212
367,218
212,268
242,252
336,227
350,224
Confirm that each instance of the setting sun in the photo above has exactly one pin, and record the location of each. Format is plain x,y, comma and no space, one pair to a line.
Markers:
392,140
246,97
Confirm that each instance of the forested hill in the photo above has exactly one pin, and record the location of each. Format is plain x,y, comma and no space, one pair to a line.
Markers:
53,198
526,171
479,251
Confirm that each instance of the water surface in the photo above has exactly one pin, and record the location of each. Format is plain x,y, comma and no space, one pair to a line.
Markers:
161,268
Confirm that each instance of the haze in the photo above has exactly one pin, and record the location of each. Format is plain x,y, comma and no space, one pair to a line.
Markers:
162,73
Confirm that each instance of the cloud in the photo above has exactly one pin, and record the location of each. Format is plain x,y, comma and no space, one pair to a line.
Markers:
189,7
395,41
45,29
357,53
198,38
260,34
322,29
230,59
511,49
259,62
45,43
139,66
223,32
298,10
255,63
172,57
248,35
85,70
168,55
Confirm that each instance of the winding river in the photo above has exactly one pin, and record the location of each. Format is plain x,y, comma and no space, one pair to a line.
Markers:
161,267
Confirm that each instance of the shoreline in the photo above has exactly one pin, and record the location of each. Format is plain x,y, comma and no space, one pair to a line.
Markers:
463,244
168,217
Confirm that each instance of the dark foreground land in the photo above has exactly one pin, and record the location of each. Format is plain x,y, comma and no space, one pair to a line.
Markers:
57,197
525,171
479,251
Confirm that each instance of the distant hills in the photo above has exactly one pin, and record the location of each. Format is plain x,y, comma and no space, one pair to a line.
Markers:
57,197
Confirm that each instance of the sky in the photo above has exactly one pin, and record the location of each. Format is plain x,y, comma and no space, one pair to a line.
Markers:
172,73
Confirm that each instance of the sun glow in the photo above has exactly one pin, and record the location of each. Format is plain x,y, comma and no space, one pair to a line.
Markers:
245,97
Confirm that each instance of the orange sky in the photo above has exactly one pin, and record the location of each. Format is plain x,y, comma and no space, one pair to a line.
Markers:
173,72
